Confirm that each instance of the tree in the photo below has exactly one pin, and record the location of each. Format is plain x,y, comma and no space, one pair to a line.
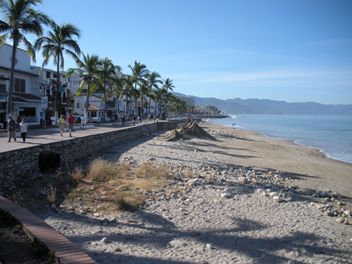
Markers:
128,89
168,86
153,81
20,18
60,40
139,73
88,68
107,70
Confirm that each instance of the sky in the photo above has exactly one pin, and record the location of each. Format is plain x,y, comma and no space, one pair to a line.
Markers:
291,50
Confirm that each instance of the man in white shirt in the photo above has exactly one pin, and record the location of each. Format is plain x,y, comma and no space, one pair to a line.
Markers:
53,120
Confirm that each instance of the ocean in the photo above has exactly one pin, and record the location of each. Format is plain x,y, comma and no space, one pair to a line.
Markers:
332,134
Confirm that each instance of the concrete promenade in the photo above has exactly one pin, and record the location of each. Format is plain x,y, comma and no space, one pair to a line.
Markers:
45,136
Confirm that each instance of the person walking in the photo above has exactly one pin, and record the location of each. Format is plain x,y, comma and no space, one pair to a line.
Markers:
11,128
23,129
53,120
70,122
62,124
83,121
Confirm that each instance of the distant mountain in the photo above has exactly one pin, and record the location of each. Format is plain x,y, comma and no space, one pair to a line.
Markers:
264,106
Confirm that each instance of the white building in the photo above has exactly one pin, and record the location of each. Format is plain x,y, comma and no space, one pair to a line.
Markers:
27,93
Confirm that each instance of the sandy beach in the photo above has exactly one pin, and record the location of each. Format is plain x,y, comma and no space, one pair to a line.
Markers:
242,198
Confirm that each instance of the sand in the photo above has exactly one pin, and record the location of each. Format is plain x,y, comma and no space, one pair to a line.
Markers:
243,198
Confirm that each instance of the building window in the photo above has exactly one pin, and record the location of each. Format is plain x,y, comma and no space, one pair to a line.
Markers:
55,75
20,85
48,75
2,88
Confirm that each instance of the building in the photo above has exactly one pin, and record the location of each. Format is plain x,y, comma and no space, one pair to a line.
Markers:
27,94
35,88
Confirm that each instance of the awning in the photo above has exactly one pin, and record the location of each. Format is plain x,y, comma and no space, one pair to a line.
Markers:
24,97
93,108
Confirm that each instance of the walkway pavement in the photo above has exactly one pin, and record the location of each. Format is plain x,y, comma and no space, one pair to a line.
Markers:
65,251
44,136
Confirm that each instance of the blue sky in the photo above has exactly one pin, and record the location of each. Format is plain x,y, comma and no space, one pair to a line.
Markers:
297,50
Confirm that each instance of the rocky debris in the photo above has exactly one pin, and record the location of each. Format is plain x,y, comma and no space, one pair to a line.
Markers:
335,209
206,205
187,131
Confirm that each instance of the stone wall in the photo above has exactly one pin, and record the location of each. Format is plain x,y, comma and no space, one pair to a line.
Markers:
21,165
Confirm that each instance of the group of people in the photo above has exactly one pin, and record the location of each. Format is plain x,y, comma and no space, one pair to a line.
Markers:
12,126
64,123
22,126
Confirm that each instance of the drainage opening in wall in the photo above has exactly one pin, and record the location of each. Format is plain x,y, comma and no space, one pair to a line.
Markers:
48,160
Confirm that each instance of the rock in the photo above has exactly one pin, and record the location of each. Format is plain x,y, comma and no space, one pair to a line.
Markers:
278,199
340,220
177,243
104,240
117,249
242,180
192,182
272,194
209,246
225,195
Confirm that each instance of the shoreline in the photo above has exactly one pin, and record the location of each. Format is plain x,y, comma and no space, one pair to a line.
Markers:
314,167
293,141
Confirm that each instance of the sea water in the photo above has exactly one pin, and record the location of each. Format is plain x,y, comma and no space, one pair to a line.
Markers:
332,134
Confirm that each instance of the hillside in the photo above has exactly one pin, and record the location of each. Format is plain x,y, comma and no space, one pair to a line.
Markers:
265,106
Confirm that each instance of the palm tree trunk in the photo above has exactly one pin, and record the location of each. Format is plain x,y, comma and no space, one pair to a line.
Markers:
87,104
126,105
155,103
12,78
149,105
104,112
57,88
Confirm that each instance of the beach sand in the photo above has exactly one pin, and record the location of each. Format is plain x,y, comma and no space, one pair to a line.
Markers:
310,167
242,198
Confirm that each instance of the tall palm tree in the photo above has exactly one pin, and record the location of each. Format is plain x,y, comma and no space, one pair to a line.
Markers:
88,68
60,40
168,87
20,18
153,81
117,87
128,89
107,70
139,73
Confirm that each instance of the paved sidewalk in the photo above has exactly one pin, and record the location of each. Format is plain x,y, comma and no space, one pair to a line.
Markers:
44,136
65,251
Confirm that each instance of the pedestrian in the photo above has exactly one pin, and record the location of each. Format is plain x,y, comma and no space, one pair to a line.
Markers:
11,128
62,124
23,129
123,120
134,120
83,121
70,122
53,120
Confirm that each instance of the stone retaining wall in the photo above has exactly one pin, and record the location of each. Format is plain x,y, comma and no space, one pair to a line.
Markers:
21,165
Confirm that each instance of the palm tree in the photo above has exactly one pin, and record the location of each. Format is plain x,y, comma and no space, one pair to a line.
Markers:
168,86
20,19
153,81
117,86
107,70
139,73
59,40
128,89
88,68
